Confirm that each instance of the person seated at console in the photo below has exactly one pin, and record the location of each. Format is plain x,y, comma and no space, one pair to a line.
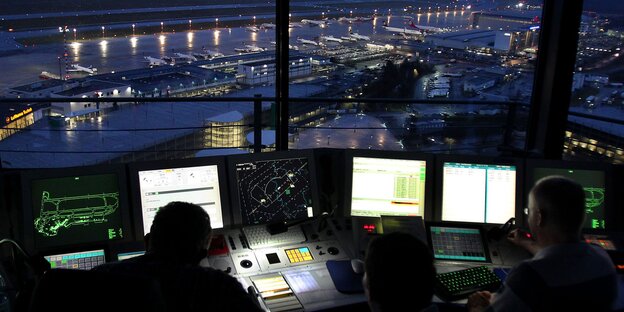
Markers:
179,238
565,273
398,273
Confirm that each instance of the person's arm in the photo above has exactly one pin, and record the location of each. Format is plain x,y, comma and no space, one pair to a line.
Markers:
229,295
522,291
524,240
479,301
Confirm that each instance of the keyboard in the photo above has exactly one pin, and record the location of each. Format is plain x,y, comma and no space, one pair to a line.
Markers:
259,237
461,284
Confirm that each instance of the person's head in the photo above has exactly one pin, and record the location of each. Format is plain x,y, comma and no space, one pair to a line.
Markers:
556,207
391,260
180,232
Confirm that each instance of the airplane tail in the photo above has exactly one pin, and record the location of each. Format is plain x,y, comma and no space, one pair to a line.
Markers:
412,24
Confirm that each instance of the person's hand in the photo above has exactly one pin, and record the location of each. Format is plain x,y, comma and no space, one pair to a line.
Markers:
479,301
523,239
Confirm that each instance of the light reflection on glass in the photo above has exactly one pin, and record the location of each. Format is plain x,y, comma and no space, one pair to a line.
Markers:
216,40
254,36
162,39
133,42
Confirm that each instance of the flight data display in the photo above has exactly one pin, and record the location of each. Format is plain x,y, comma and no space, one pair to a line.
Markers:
593,182
76,209
383,186
198,185
274,190
478,192
453,243
83,260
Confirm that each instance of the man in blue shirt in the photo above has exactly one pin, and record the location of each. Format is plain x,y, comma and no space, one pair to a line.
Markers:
565,274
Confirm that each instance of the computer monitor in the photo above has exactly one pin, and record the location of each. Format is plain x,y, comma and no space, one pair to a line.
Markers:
387,183
200,181
457,242
593,177
82,260
273,186
129,255
478,189
71,207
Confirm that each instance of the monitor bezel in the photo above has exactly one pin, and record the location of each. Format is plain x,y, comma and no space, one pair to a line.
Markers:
610,214
402,155
480,160
135,168
28,231
232,160
467,225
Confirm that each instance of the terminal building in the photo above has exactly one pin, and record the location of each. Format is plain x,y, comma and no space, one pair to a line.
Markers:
505,20
263,72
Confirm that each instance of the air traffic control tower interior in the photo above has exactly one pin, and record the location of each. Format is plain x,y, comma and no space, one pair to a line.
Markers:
333,202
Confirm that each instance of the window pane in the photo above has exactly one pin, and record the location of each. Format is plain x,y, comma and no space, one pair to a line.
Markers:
481,56
141,50
597,90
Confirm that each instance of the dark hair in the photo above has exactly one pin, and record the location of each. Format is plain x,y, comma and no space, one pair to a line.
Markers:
561,202
394,261
180,231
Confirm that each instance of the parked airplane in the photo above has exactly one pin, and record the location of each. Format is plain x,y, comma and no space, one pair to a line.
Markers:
331,38
359,37
155,61
77,68
354,19
207,54
306,41
322,23
401,30
249,49
267,26
189,58
252,28
426,29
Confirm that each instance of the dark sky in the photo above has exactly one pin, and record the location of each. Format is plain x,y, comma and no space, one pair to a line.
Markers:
605,6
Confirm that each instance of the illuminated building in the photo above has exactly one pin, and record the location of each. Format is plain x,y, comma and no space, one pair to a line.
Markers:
226,130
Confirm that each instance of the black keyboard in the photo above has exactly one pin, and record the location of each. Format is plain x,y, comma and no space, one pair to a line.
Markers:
461,284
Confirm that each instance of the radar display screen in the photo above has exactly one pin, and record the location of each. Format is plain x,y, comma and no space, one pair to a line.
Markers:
274,190
593,182
457,243
76,209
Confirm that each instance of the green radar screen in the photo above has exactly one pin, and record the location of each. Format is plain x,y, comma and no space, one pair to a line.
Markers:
73,210
594,204
593,182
